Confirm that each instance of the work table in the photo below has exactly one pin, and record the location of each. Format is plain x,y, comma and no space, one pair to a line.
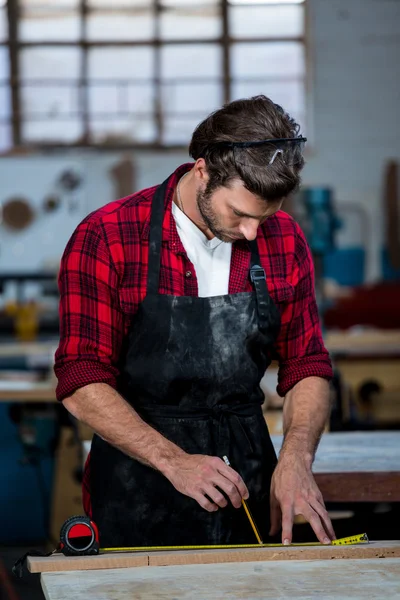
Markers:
357,466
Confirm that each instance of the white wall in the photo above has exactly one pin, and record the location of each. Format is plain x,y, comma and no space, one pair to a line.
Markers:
356,54
355,51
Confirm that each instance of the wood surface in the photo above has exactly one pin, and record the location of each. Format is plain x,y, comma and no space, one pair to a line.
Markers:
32,392
369,341
355,451
389,549
359,487
66,499
357,466
14,348
301,580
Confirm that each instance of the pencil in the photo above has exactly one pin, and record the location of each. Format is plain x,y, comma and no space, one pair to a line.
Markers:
247,510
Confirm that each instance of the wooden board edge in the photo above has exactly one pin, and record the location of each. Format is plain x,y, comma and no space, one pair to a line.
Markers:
390,549
383,486
372,550
53,564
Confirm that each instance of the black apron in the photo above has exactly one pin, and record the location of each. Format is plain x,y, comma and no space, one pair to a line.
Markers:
191,369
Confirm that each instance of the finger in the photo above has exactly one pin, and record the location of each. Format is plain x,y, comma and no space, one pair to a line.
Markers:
215,495
287,524
229,489
205,503
315,521
233,477
327,523
275,518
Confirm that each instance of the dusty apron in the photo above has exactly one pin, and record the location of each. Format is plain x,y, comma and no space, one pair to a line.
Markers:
191,369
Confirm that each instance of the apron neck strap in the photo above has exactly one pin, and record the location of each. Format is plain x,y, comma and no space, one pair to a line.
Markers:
258,279
155,238
257,273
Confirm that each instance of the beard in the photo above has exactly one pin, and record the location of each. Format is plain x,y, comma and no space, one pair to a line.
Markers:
210,217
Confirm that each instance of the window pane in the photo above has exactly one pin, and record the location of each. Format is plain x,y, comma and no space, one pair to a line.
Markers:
189,3
114,99
119,3
5,137
3,24
44,24
132,25
50,63
289,94
200,97
140,97
52,130
178,130
5,103
258,59
190,23
4,64
265,2
194,60
62,4
121,63
140,129
49,100
266,21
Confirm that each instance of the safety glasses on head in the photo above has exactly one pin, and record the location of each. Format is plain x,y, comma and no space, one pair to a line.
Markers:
263,153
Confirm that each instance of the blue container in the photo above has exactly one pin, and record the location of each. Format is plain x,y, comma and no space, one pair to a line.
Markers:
322,222
389,273
345,265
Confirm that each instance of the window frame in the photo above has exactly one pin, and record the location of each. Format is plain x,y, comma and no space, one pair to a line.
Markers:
225,40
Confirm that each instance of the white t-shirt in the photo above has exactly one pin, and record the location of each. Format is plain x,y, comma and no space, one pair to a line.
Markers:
211,258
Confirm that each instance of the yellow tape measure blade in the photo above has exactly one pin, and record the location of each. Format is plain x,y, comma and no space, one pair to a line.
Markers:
362,538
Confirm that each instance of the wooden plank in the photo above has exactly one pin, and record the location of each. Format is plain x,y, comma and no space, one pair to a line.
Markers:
359,487
371,550
344,342
304,580
66,498
355,452
60,563
357,466
54,563
34,392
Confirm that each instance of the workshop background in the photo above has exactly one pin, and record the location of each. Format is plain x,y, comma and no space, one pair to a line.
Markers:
98,99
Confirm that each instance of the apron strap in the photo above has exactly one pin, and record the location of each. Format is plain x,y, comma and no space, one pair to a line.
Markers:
258,279
155,238
257,273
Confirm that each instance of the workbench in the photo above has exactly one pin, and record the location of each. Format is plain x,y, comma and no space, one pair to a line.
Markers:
357,466
362,571
300,580
35,353
24,391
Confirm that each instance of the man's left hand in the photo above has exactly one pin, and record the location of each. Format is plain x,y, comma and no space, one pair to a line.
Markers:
294,492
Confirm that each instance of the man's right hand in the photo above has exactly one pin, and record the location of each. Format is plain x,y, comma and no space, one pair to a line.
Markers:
199,476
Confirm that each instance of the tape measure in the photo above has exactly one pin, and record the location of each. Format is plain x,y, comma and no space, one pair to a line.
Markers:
80,536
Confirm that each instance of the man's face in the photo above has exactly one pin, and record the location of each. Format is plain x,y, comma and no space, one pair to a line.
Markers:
233,213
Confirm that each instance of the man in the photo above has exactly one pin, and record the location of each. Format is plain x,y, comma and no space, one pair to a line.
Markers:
173,303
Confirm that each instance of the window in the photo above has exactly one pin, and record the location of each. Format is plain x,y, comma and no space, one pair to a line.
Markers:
141,72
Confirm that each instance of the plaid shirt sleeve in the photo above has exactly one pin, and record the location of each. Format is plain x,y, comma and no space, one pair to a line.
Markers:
300,348
91,323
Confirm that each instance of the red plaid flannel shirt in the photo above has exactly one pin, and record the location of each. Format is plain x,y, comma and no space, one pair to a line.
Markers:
103,279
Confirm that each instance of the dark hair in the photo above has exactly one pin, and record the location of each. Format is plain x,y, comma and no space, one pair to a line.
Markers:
248,120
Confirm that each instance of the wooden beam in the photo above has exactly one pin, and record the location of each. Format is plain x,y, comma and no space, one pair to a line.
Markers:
359,487
59,562
152,42
12,14
226,64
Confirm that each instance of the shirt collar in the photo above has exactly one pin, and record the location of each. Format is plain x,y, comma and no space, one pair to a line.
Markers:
170,233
